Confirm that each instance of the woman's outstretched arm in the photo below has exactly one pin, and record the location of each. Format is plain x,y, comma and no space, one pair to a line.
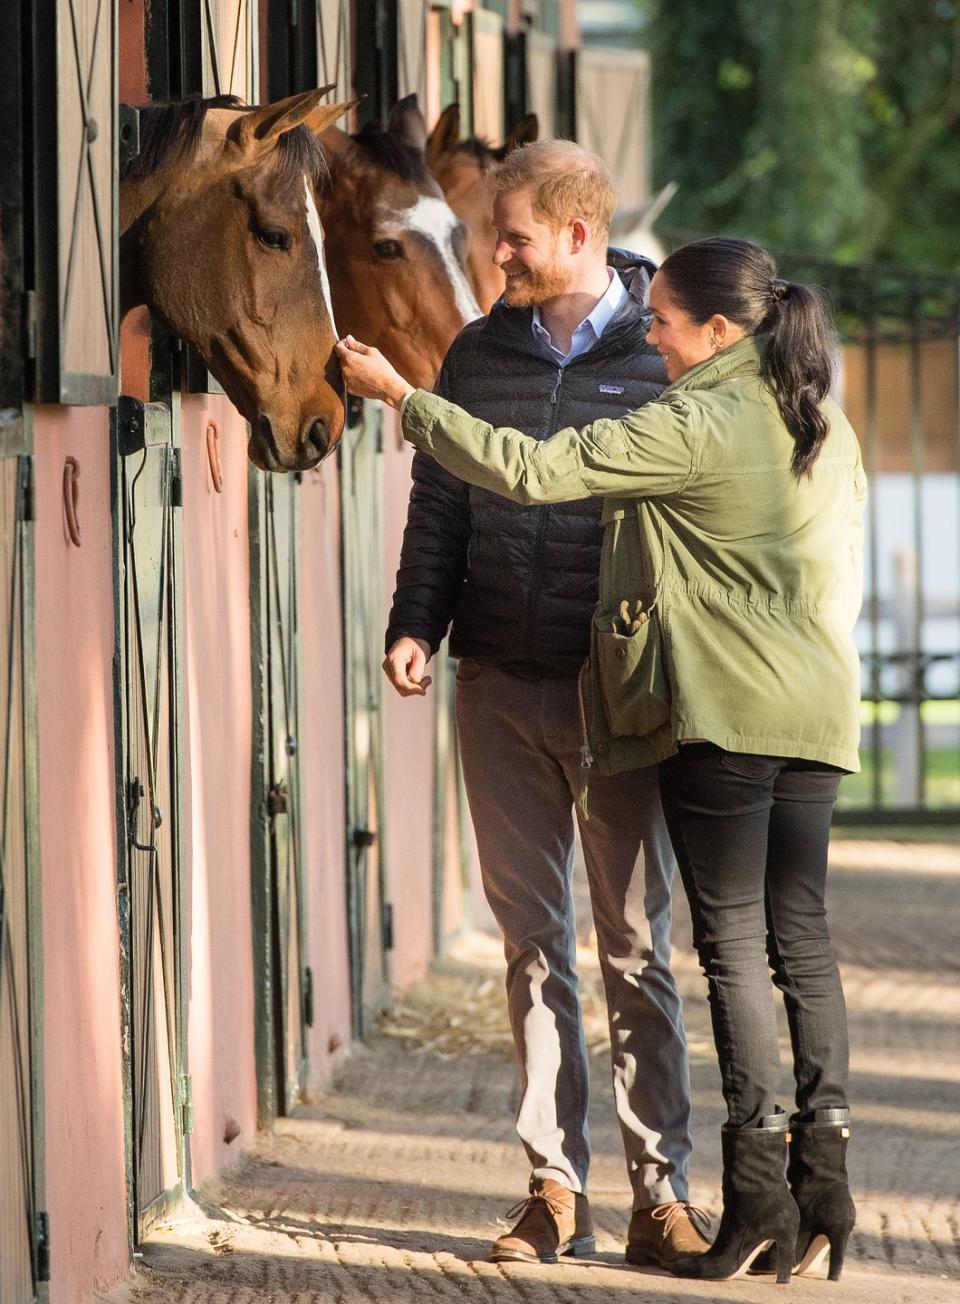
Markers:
648,452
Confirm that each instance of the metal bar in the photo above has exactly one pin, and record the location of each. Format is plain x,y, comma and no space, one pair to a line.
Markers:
873,471
917,467
25,1108
213,50
296,829
956,407
260,860
119,509
176,839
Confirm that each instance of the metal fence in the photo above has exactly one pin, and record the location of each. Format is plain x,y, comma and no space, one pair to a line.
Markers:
899,383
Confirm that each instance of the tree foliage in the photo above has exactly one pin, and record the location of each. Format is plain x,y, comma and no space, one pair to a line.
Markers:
820,126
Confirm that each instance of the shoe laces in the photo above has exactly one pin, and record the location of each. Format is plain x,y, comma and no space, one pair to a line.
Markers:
520,1210
672,1213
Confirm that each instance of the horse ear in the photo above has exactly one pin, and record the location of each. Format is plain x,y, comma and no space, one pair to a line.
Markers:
325,114
406,124
261,127
445,135
524,133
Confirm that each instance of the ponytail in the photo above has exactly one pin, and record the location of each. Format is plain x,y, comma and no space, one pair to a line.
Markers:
738,280
799,365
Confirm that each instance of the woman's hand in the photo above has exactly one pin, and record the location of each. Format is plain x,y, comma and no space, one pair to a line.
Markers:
368,374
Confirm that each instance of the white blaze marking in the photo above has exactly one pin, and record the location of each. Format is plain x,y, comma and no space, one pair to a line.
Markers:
435,219
316,231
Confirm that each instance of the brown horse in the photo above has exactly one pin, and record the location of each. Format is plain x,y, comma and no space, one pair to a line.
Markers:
460,166
221,239
399,279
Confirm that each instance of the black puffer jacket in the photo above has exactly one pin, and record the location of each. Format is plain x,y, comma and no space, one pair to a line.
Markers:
519,583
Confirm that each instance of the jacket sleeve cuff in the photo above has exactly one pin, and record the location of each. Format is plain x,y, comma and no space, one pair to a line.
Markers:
404,401
418,411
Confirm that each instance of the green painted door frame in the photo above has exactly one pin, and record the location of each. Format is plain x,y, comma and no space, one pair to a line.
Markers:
151,887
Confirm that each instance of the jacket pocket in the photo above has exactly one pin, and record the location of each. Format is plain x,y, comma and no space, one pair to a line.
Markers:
628,652
468,670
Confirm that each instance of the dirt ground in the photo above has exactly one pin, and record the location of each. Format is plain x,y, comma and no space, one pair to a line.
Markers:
391,1186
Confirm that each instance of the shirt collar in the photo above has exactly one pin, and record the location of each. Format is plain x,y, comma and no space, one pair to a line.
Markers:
599,318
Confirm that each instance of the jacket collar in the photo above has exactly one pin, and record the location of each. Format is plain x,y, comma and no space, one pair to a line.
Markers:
632,320
745,358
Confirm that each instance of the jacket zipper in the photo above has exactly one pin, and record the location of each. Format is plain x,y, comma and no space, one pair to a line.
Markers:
586,754
544,511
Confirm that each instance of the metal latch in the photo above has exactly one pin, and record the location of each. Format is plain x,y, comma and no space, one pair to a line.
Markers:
278,799
41,1245
186,1103
308,996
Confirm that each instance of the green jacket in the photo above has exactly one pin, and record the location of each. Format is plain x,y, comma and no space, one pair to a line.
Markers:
728,587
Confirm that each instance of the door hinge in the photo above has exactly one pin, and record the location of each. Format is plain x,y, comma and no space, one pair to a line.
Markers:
41,1245
30,323
186,1103
294,19
386,914
176,479
129,124
28,501
308,996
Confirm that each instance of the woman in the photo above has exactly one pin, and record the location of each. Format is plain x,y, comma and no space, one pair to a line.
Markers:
722,647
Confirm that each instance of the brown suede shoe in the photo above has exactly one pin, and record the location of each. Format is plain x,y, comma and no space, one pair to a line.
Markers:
661,1234
553,1221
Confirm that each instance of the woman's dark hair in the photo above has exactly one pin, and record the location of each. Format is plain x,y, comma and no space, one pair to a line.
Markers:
739,280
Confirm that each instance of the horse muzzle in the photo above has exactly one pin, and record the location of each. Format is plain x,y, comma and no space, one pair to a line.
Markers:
268,452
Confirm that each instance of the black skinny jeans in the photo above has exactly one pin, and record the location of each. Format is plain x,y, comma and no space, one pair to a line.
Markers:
750,835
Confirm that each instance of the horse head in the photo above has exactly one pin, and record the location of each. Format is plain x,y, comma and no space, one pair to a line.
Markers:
399,280
461,166
221,239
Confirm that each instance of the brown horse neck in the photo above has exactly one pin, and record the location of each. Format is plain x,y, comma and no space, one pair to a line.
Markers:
136,199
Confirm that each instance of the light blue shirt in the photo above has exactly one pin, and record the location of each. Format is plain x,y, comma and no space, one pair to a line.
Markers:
589,330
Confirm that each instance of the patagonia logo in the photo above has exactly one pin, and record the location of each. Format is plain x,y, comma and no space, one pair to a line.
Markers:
611,389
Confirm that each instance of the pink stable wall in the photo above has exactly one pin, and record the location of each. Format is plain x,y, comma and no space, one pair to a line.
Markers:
83,1106
217,700
408,728
321,766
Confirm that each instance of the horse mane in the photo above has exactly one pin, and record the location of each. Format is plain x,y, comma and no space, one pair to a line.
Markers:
383,148
171,131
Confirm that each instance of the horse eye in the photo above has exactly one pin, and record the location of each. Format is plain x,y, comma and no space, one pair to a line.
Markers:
272,237
388,248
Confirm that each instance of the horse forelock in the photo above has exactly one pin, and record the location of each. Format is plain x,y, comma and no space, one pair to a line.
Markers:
170,132
480,149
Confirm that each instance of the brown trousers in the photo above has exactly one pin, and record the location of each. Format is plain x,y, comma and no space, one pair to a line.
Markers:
520,746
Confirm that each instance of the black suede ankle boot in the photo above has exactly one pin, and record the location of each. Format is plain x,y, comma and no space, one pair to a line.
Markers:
817,1173
758,1209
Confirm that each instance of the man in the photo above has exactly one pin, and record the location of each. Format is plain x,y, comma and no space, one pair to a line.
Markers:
564,346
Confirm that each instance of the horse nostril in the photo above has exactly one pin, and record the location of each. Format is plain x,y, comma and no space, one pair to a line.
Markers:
267,444
318,438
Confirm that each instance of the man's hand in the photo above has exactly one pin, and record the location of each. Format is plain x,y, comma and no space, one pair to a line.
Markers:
368,374
404,665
